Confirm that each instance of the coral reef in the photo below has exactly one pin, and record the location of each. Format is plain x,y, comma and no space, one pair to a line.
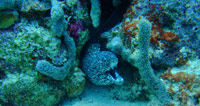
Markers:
179,17
22,89
41,42
137,54
183,83
10,4
29,42
33,6
100,66
75,83
168,48
59,73
42,56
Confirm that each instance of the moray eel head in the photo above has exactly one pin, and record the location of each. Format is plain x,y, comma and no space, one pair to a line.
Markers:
114,76
100,67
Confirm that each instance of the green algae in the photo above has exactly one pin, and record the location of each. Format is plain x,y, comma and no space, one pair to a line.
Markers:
22,89
30,42
7,19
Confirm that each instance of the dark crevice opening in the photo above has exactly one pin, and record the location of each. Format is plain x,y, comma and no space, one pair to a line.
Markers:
110,17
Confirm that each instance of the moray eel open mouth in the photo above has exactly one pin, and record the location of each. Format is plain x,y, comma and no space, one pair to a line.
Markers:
112,72
114,76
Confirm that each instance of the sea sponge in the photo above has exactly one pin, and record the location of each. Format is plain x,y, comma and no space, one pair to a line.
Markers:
59,24
59,72
115,45
95,12
144,64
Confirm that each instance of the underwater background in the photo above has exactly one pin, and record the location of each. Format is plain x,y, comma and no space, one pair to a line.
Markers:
99,52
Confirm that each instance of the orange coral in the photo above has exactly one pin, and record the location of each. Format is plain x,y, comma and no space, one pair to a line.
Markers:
163,46
183,97
153,6
130,11
169,37
181,61
129,28
170,89
186,79
153,18
161,8
166,75
154,40
157,28
155,33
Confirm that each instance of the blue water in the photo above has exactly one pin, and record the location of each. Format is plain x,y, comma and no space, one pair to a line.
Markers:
99,52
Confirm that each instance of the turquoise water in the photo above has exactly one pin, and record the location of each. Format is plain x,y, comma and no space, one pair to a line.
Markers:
99,52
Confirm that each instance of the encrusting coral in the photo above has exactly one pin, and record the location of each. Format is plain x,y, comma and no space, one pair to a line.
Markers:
29,42
23,89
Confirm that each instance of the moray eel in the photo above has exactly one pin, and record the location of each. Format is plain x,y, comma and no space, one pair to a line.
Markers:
100,66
